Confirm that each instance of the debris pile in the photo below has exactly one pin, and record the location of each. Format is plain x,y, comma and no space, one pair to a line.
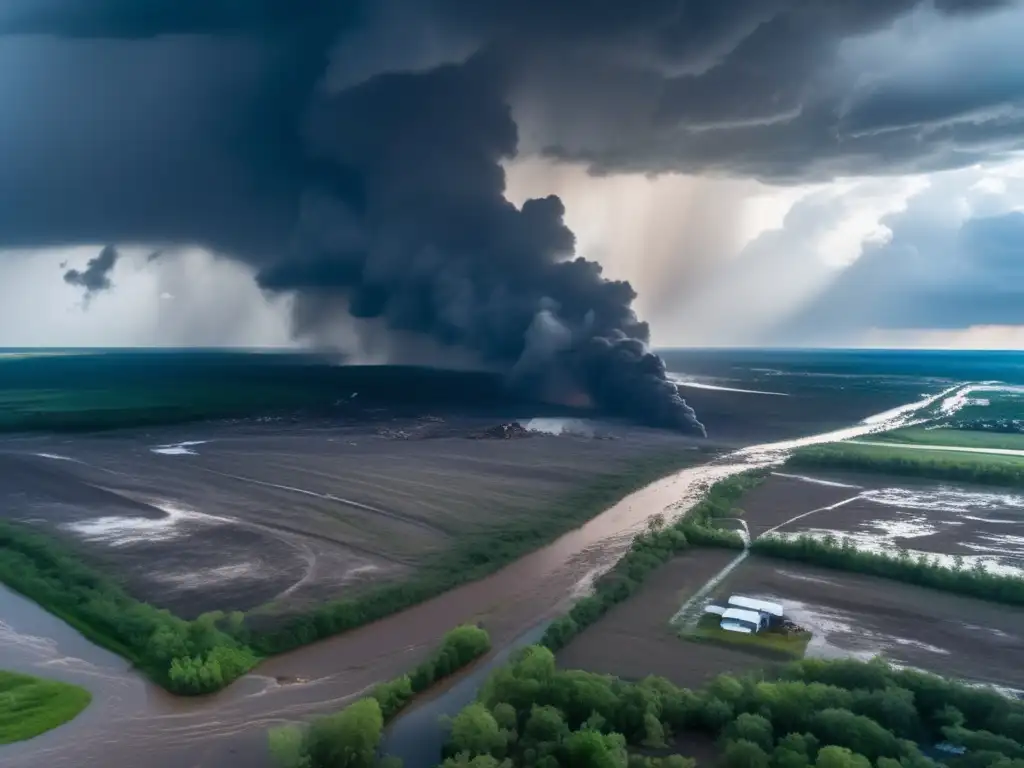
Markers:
393,434
791,628
510,431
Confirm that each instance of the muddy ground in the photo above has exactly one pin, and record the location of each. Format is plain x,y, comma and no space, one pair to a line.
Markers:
634,638
886,513
234,516
854,615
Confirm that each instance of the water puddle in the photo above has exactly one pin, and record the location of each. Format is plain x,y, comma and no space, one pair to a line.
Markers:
816,480
945,499
116,530
179,449
837,635
871,542
200,577
55,457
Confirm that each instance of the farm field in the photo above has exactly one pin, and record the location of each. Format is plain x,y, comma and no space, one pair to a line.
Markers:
961,438
948,466
849,615
235,517
861,616
957,523
634,639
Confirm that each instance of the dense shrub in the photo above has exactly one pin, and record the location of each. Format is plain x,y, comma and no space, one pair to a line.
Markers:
186,657
351,737
811,713
989,469
843,555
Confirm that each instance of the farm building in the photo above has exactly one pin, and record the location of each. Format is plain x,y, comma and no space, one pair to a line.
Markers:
747,614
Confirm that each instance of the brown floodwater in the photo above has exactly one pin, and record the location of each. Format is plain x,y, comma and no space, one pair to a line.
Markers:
131,722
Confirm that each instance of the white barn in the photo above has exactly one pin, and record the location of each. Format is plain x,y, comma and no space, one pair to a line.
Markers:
740,620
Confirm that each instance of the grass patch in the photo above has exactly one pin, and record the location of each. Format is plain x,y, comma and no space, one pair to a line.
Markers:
776,645
953,437
989,469
30,705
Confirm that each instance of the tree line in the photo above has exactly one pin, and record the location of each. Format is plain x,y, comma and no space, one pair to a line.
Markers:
831,552
653,548
351,737
186,657
825,714
988,469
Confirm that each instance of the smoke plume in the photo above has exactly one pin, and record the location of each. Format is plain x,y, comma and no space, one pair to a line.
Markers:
351,152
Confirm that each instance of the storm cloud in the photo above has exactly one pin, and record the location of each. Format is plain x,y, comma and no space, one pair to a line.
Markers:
96,275
351,153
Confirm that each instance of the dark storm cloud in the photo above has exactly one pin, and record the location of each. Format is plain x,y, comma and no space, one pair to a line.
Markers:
133,19
209,123
96,275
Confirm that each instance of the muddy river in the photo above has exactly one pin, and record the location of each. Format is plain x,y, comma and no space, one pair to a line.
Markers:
132,723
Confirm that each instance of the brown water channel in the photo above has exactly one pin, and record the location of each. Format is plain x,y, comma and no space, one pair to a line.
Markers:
132,723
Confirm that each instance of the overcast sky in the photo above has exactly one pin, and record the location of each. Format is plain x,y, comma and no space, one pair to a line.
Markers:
867,190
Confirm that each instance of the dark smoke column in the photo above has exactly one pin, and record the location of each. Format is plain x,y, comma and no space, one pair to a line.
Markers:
405,225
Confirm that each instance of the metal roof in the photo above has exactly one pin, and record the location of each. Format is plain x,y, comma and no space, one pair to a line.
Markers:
741,615
732,626
773,609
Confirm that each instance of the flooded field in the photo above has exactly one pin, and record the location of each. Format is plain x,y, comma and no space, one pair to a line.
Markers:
634,639
221,517
863,616
229,728
963,526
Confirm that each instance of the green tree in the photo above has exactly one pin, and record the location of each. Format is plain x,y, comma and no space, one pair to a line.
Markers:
288,747
505,714
475,731
755,728
347,739
802,743
787,758
714,714
590,749
464,760
840,757
744,754
545,725
654,733
863,735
